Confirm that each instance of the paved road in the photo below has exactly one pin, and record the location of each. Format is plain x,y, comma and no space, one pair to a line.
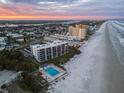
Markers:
96,70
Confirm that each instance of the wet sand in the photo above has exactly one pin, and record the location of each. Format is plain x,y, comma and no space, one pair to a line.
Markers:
96,70
108,73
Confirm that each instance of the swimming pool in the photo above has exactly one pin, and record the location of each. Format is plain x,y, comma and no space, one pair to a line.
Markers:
52,71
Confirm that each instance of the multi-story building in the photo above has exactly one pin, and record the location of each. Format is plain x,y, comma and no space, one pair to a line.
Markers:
49,51
78,31
16,36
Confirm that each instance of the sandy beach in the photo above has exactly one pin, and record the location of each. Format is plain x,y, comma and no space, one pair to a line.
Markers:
96,70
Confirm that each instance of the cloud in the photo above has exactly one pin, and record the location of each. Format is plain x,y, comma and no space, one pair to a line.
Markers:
5,2
46,2
62,7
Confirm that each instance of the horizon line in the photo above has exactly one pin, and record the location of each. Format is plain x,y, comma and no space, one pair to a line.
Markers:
26,17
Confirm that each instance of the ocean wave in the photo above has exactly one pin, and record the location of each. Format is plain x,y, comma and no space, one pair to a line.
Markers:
116,35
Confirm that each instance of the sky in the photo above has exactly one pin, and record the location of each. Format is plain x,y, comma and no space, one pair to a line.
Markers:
60,9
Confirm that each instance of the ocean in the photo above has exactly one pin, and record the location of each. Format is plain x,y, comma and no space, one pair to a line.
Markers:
116,35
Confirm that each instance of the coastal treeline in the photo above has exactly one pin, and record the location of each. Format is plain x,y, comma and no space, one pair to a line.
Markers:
15,60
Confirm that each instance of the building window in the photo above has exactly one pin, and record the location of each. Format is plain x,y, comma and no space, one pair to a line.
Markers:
48,53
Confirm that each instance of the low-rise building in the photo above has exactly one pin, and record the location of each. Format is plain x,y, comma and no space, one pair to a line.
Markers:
2,43
16,36
7,77
49,51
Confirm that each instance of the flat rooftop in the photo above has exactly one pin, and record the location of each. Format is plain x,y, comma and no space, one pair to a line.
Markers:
7,76
47,45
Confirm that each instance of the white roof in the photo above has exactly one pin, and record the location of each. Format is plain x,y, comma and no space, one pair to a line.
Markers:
54,43
2,41
14,35
7,76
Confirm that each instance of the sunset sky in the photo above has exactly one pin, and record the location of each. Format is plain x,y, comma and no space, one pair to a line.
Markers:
60,9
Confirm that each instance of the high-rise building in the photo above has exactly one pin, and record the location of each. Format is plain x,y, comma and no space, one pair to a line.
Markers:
78,31
49,51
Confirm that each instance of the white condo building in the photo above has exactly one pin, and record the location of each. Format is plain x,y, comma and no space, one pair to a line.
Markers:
49,51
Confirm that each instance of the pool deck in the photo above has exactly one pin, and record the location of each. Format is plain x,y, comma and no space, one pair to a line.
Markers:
58,78
62,73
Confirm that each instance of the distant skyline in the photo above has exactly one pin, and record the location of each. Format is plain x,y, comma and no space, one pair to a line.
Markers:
61,9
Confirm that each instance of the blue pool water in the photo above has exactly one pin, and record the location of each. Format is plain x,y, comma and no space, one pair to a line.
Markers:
52,71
